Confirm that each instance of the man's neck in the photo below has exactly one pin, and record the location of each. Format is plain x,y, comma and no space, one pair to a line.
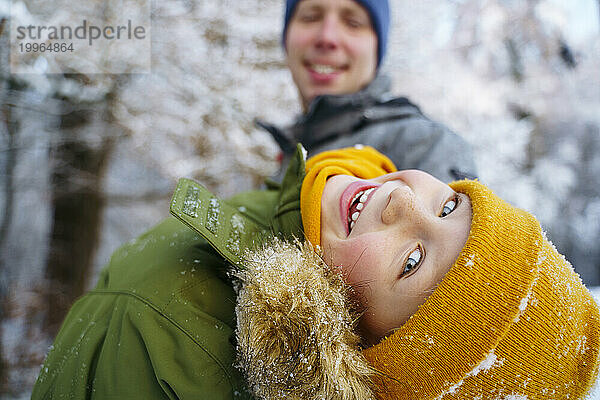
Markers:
374,89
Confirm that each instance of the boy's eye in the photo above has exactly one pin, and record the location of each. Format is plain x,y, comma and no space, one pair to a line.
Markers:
413,261
449,207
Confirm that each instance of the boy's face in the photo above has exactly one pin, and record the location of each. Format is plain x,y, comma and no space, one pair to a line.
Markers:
331,48
406,236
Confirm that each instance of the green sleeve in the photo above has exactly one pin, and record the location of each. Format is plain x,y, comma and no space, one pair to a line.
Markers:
159,325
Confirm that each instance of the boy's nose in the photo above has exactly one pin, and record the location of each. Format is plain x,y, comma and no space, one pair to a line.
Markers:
402,207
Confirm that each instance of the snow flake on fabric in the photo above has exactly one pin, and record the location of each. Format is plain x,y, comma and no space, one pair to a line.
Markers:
471,261
235,235
304,153
491,361
580,344
529,298
191,203
212,216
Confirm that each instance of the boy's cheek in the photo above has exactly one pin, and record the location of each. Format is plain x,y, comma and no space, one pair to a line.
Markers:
361,258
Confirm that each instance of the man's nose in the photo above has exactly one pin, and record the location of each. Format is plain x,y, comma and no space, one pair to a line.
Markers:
402,207
328,36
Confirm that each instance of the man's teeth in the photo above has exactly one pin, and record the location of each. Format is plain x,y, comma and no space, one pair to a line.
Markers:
362,197
323,69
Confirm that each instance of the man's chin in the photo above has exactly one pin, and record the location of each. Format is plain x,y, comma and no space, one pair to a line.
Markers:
321,91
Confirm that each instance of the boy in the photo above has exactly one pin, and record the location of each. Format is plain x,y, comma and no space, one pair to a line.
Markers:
460,295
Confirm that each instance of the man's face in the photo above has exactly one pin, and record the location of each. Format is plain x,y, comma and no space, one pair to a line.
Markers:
395,237
331,48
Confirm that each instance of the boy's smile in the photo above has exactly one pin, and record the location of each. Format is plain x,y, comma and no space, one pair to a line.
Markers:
400,244
353,200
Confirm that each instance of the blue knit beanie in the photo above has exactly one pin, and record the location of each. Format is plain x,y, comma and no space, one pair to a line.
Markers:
379,11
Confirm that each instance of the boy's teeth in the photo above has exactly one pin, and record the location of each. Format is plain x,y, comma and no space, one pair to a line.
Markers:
362,198
364,195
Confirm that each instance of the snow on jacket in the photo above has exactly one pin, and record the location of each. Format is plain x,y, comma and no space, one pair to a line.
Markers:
372,117
160,324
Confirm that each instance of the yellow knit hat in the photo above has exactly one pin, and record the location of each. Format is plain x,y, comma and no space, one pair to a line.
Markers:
361,161
511,317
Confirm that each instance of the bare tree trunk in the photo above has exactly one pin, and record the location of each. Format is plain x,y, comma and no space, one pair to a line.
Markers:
5,129
5,218
78,204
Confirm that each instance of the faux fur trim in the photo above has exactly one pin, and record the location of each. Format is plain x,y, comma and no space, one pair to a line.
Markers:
295,328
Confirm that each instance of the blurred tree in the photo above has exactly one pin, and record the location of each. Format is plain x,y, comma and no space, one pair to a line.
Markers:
7,134
77,201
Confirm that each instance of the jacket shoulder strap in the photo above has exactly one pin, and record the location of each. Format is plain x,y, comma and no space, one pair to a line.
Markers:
228,231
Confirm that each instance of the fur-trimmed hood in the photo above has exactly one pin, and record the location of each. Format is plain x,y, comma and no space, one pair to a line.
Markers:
295,327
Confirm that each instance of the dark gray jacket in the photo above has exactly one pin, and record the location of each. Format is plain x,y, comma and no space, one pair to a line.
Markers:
392,125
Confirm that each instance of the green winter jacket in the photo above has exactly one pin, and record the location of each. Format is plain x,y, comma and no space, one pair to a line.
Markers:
160,324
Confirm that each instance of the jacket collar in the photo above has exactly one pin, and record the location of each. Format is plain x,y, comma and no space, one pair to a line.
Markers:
331,116
325,105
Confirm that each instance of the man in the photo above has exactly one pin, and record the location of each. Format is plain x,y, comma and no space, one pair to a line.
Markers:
334,50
